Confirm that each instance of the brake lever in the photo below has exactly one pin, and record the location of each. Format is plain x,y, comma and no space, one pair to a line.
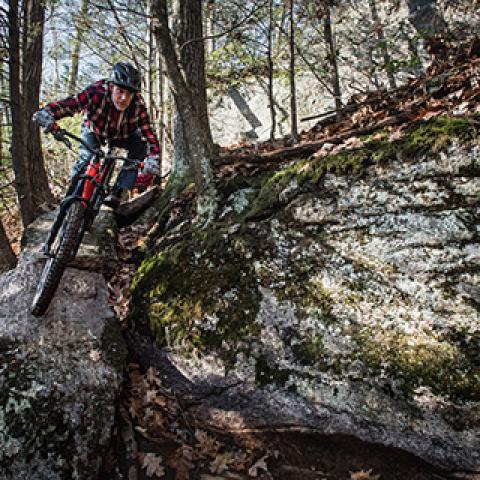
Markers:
60,135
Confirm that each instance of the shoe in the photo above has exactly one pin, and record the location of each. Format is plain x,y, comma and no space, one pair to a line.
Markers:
112,200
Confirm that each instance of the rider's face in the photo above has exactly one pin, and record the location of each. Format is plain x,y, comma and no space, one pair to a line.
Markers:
121,98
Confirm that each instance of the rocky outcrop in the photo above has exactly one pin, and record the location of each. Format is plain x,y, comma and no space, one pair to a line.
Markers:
338,295
97,250
59,374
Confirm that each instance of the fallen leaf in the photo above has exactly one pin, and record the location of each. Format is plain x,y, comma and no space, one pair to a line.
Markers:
221,462
182,462
258,465
152,376
153,464
363,475
95,355
207,445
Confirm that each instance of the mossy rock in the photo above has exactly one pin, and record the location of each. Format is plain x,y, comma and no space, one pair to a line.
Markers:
200,293
418,139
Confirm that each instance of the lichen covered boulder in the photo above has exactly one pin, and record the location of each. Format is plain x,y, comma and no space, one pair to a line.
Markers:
97,250
341,291
59,376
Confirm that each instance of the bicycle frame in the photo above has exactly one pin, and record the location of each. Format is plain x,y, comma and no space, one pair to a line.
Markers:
90,187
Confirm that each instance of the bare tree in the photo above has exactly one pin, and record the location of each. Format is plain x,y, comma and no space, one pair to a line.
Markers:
271,98
18,146
8,259
191,113
324,11
32,56
77,42
149,62
31,180
293,95
382,43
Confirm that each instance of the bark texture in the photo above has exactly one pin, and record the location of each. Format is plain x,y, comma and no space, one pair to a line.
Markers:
8,259
190,114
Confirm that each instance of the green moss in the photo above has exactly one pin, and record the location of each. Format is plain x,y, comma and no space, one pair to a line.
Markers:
436,134
420,138
199,293
423,361
267,372
310,351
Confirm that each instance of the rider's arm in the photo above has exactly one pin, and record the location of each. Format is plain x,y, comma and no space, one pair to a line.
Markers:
75,103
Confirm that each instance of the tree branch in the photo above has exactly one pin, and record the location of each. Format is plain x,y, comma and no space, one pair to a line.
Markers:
225,32
123,33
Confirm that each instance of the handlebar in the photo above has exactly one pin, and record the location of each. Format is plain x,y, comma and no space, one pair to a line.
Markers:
60,134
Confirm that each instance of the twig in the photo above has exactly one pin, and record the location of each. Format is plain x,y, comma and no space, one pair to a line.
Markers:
123,33
225,32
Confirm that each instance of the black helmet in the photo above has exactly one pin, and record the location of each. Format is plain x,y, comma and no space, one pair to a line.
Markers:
125,75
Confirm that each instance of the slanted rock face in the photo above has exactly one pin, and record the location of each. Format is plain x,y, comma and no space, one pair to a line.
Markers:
59,376
97,250
352,309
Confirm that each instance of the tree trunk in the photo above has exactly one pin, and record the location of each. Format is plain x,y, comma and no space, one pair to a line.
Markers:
192,60
210,25
8,260
18,147
293,95
332,56
160,102
190,115
387,61
31,80
271,99
54,52
80,28
150,60
181,167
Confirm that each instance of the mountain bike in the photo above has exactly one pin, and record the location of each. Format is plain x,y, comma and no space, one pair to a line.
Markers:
77,211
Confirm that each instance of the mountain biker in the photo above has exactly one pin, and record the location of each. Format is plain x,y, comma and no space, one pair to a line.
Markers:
114,110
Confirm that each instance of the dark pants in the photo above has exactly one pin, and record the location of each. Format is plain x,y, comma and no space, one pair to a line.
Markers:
136,147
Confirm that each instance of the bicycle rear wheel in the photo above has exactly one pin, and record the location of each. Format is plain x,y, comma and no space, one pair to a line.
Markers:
63,251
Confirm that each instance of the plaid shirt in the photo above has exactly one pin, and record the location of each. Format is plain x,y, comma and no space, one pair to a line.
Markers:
101,116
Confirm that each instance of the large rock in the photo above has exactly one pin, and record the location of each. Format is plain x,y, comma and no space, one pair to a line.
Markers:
60,374
96,252
350,308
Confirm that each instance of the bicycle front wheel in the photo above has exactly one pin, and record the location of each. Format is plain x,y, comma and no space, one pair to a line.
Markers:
63,251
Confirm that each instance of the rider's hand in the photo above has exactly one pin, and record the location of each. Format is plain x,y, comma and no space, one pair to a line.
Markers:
45,119
150,165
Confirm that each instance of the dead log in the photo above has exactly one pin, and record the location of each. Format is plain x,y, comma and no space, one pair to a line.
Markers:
309,148
137,204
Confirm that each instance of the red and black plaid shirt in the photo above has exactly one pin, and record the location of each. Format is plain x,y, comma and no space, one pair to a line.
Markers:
101,116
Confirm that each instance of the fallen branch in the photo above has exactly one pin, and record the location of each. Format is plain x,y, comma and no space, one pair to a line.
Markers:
308,148
132,207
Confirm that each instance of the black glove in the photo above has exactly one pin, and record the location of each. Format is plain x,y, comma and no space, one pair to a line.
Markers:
45,119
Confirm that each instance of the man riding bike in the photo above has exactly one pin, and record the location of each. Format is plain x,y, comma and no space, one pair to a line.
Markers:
114,111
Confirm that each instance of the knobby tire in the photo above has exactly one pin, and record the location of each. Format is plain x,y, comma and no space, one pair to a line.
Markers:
65,248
